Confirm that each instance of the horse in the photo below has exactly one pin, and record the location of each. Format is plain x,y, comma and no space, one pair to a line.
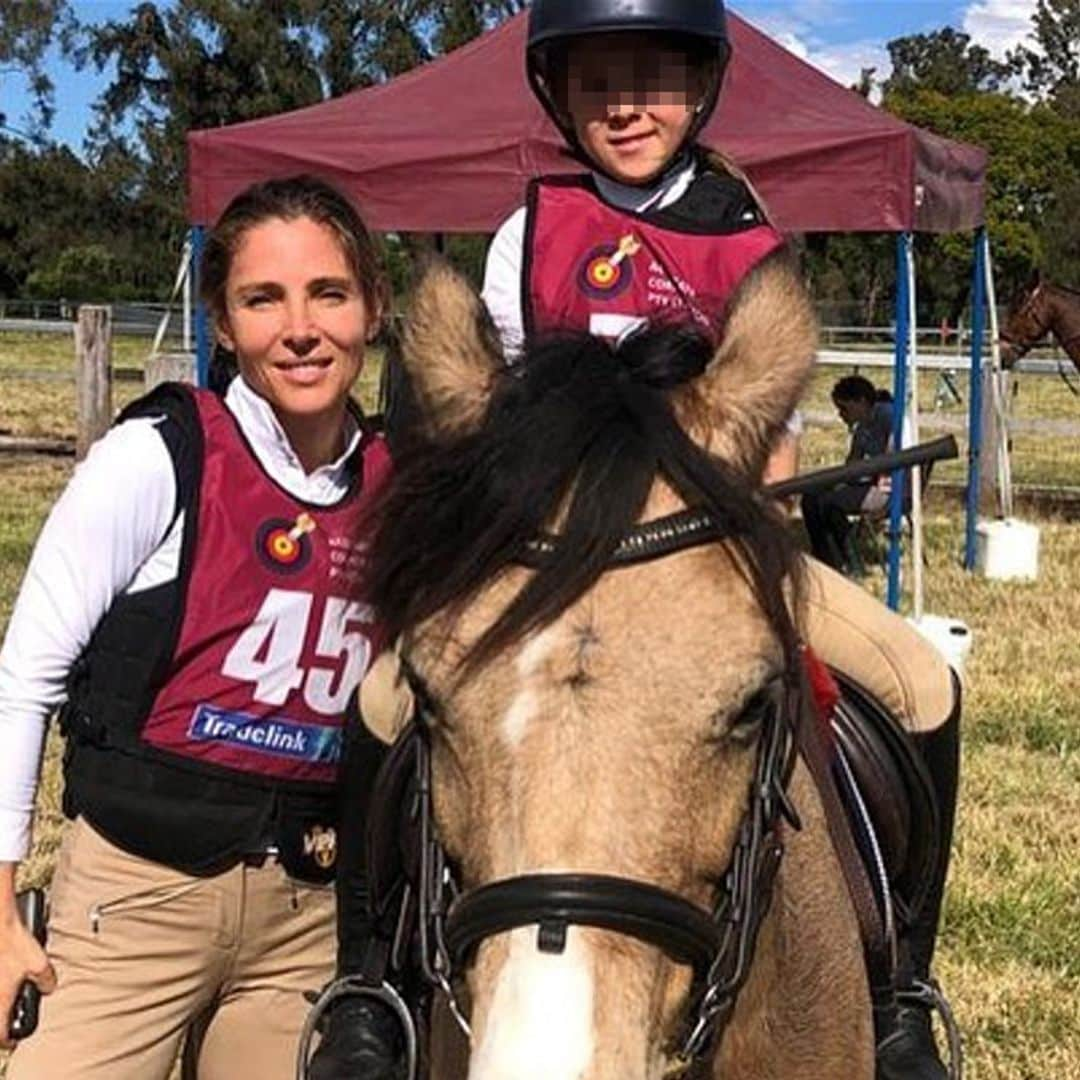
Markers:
598,618
1042,308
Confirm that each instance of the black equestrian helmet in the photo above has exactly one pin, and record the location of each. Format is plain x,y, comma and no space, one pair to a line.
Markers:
550,20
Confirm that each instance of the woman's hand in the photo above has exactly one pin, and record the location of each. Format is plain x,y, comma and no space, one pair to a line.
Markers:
21,956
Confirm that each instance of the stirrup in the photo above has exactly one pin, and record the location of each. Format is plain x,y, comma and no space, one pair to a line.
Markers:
927,994
355,986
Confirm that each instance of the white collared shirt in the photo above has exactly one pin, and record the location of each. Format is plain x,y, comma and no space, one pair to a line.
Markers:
112,531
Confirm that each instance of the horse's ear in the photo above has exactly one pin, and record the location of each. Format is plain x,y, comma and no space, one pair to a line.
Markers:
450,350
760,369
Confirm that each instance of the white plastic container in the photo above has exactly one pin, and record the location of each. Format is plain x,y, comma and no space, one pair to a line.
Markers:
1007,550
951,637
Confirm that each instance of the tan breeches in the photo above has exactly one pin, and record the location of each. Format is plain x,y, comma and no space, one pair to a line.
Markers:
877,649
141,950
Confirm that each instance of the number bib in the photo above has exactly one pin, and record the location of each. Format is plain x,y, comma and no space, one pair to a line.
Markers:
275,636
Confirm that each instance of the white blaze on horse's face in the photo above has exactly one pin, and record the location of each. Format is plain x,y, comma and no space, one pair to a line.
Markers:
525,706
542,1014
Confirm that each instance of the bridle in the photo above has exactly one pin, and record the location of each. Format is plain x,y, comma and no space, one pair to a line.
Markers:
1026,313
718,944
1040,324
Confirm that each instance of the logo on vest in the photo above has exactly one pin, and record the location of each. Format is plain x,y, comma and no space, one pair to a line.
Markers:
607,273
321,845
315,744
283,545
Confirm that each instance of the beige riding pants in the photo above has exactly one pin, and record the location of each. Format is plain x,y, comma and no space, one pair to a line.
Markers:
877,649
141,950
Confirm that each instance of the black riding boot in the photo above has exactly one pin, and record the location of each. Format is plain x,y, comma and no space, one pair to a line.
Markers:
362,1038
906,1047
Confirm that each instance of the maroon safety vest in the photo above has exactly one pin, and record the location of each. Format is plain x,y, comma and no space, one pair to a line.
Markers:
273,640
592,267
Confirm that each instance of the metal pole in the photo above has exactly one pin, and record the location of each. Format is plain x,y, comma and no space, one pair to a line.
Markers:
188,268
999,382
975,395
900,397
917,583
202,318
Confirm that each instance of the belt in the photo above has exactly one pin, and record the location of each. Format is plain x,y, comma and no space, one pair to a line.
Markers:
258,859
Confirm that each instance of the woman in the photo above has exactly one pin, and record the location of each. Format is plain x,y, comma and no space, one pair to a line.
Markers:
868,413
194,594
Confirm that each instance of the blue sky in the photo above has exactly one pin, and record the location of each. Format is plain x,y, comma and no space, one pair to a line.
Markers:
839,36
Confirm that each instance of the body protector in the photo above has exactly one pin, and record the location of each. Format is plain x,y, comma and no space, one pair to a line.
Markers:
229,684
590,266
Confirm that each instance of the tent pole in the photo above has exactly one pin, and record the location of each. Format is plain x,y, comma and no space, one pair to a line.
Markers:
999,389
202,321
900,397
975,395
913,434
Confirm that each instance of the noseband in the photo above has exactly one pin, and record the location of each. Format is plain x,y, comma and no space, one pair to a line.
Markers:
718,944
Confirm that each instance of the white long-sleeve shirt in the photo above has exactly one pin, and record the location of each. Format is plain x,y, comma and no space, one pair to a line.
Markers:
112,531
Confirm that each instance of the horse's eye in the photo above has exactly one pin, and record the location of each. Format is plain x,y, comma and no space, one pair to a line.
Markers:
747,725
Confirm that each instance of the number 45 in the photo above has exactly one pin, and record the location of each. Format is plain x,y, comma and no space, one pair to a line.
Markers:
269,653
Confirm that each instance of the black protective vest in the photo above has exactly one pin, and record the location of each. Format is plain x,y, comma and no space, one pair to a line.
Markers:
195,817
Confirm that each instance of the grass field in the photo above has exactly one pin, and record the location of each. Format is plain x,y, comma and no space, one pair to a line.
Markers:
1010,957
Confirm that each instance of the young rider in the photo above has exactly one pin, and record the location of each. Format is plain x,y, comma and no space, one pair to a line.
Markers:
657,228
197,594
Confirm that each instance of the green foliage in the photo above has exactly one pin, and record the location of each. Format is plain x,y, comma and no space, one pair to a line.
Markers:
50,202
89,272
1052,68
945,61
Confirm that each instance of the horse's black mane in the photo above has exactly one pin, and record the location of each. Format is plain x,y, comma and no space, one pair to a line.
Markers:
577,420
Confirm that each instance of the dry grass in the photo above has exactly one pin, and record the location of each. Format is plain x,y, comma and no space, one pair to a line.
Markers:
1011,949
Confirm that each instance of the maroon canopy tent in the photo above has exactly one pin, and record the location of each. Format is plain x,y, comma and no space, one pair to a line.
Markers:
450,146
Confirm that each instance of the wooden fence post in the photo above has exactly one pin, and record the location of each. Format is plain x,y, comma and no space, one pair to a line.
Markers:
93,375
169,367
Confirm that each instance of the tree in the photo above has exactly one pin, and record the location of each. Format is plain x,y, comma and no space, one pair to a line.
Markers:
1052,69
50,202
944,61
27,29
205,63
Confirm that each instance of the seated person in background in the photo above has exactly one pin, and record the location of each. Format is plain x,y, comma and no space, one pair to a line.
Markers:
868,413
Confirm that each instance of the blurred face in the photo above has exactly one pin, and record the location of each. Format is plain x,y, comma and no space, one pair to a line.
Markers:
296,319
631,102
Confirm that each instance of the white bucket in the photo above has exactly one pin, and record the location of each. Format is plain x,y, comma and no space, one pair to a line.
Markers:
1007,550
951,637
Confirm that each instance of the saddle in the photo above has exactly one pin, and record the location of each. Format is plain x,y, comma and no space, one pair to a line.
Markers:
889,797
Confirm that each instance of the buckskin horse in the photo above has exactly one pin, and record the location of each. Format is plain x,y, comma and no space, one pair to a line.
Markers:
615,749
1041,309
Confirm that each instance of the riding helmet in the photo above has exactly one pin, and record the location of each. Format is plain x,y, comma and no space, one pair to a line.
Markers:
554,22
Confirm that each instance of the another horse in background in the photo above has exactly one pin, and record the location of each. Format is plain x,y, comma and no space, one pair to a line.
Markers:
595,611
1040,309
